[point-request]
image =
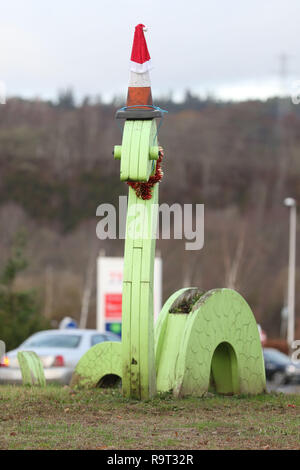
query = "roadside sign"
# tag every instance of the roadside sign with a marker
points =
(109, 292)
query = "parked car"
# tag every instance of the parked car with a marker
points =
(59, 350)
(280, 370)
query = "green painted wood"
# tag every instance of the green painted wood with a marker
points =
(161, 326)
(31, 368)
(128, 294)
(135, 324)
(100, 361)
(141, 217)
(219, 336)
(141, 306)
(166, 376)
(125, 153)
(130, 235)
(117, 152)
(144, 163)
(154, 153)
(146, 332)
(149, 241)
(137, 304)
(135, 154)
(126, 339)
(215, 346)
(224, 370)
(139, 148)
(146, 335)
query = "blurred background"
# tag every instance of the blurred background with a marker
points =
(227, 73)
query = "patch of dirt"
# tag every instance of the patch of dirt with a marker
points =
(186, 301)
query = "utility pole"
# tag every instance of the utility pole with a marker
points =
(283, 85)
(283, 72)
(282, 136)
(49, 291)
(291, 204)
(87, 291)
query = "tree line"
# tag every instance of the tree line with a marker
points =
(239, 159)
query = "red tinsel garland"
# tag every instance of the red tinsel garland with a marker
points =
(144, 190)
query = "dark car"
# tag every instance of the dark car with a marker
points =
(280, 370)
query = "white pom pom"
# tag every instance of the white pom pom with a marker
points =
(145, 29)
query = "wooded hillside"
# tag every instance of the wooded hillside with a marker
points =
(239, 159)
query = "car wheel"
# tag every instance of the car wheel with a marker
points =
(278, 378)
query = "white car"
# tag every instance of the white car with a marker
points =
(59, 350)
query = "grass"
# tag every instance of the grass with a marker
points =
(61, 418)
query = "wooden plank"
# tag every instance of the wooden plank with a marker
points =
(135, 324)
(144, 162)
(148, 242)
(126, 298)
(129, 241)
(141, 221)
(135, 150)
(147, 368)
(126, 146)
(153, 134)
(126, 338)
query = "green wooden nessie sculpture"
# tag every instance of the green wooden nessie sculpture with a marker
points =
(213, 344)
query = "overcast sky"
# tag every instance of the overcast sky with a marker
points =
(229, 48)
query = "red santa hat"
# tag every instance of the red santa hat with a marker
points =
(140, 61)
(139, 90)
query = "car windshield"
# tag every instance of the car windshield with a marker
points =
(97, 339)
(54, 341)
(273, 355)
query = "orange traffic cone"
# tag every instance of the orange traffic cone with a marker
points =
(139, 97)
(139, 90)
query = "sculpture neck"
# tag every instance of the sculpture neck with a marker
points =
(137, 302)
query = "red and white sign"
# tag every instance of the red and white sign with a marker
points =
(113, 306)
(109, 290)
